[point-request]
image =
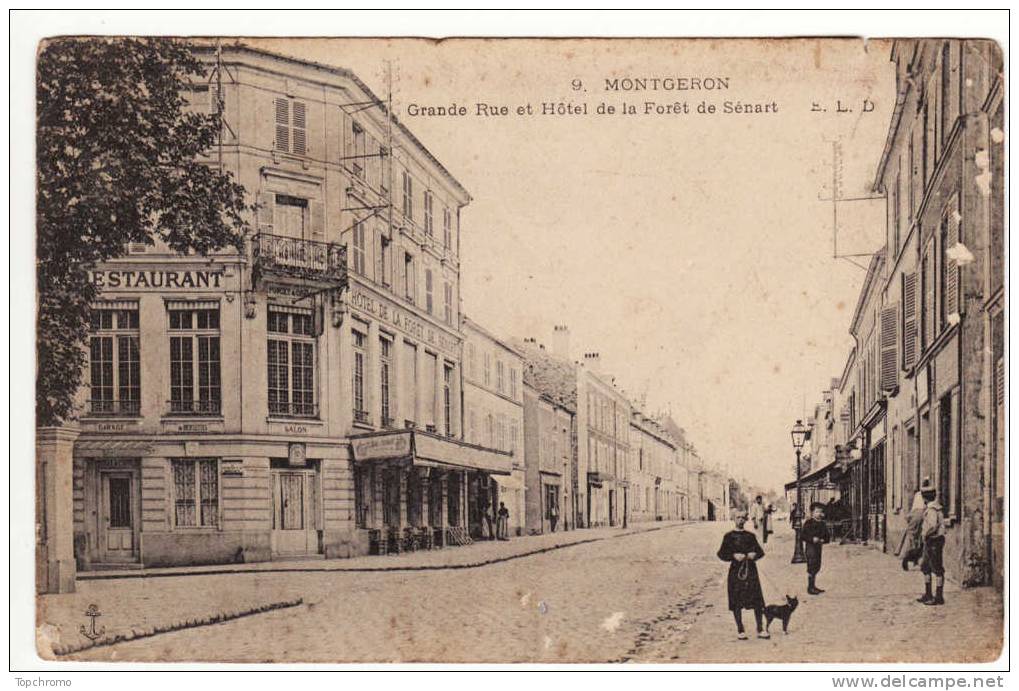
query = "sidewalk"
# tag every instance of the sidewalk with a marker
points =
(474, 555)
(868, 613)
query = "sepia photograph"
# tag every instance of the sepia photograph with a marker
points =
(517, 351)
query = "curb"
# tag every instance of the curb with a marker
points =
(135, 634)
(373, 569)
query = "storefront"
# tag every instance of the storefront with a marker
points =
(418, 490)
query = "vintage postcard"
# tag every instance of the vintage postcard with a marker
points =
(371, 350)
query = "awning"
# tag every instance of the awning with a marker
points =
(818, 478)
(427, 449)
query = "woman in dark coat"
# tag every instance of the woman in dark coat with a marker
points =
(742, 550)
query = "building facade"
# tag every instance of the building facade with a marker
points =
(302, 397)
(603, 440)
(493, 410)
(922, 395)
(657, 475)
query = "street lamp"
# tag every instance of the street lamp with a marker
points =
(799, 435)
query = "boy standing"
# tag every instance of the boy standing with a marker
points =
(933, 532)
(814, 534)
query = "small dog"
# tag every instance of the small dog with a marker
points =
(783, 612)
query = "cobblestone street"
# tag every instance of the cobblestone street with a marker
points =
(646, 597)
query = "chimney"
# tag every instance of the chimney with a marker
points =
(561, 341)
(592, 361)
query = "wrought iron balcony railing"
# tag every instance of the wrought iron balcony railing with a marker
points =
(114, 408)
(300, 258)
(362, 417)
(201, 407)
(293, 409)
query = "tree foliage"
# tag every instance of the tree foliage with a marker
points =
(116, 164)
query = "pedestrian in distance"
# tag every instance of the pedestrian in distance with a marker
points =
(814, 534)
(502, 522)
(742, 550)
(553, 516)
(933, 532)
(758, 517)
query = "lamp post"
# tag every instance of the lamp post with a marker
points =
(799, 435)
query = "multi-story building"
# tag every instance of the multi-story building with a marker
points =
(657, 476)
(603, 440)
(941, 172)
(921, 396)
(301, 397)
(550, 438)
(493, 410)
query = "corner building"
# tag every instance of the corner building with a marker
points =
(301, 398)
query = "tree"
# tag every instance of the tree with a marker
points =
(116, 164)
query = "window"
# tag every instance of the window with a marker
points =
(447, 399)
(382, 259)
(195, 492)
(410, 359)
(409, 277)
(194, 360)
(500, 376)
(358, 255)
(291, 362)
(408, 196)
(115, 384)
(927, 295)
(447, 229)
(513, 437)
(429, 230)
(291, 126)
(946, 89)
(489, 430)
(513, 382)
(488, 369)
(430, 392)
(447, 303)
(893, 200)
(429, 299)
(948, 268)
(290, 218)
(358, 364)
(472, 361)
(357, 163)
(385, 379)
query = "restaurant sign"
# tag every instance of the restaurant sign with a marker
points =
(156, 279)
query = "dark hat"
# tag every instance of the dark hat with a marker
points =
(817, 505)
(927, 485)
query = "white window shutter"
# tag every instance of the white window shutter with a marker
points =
(266, 205)
(318, 229)
(299, 129)
(889, 340)
(909, 315)
(282, 124)
(951, 296)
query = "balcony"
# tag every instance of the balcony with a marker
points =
(362, 417)
(197, 408)
(308, 259)
(293, 409)
(111, 408)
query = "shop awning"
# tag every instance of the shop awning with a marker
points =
(427, 449)
(822, 477)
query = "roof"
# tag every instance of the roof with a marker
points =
(468, 322)
(346, 74)
(550, 376)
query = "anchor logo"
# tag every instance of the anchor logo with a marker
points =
(90, 632)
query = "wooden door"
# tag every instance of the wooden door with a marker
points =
(294, 526)
(118, 530)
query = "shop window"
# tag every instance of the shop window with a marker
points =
(114, 361)
(195, 492)
(291, 362)
(195, 386)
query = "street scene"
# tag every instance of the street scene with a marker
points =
(357, 351)
(643, 596)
